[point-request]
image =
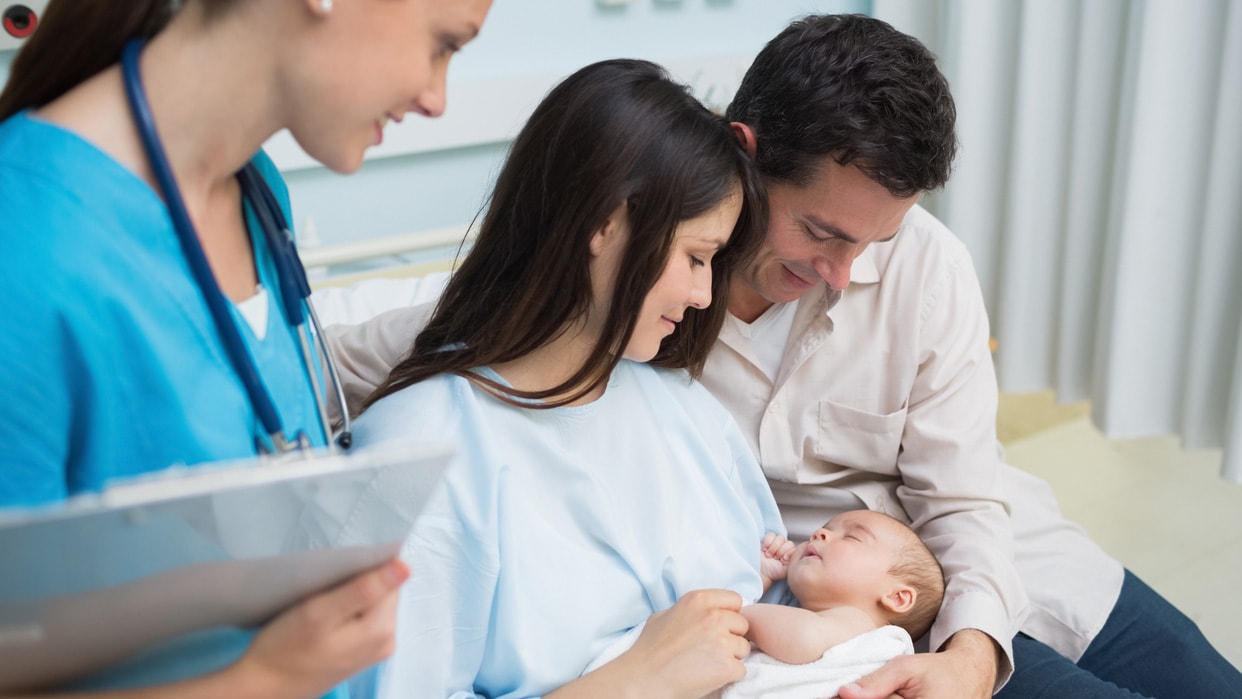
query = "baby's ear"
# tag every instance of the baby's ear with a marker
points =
(900, 599)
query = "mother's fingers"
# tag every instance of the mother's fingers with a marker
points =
(722, 599)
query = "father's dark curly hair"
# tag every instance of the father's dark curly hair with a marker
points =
(854, 88)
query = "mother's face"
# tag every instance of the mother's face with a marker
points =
(686, 281)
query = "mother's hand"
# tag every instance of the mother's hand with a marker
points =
(688, 650)
(696, 646)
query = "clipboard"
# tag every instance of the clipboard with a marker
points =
(92, 581)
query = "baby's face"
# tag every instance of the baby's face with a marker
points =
(847, 560)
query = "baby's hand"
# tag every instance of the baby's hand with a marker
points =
(774, 563)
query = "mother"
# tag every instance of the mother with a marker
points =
(593, 491)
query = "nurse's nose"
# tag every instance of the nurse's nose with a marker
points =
(432, 100)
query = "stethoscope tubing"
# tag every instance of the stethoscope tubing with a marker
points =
(294, 287)
(295, 293)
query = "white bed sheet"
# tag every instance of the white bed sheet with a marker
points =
(368, 298)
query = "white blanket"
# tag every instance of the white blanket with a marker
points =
(840, 665)
(767, 677)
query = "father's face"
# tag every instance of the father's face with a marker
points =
(816, 231)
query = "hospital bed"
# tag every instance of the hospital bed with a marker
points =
(353, 282)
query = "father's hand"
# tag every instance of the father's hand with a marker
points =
(965, 669)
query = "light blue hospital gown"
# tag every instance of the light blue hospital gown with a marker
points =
(557, 530)
(110, 365)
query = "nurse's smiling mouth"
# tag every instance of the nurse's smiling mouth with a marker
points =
(381, 123)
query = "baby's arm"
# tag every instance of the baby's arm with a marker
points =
(794, 635)
(775, 551)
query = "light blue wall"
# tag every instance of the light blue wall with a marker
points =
(439, 189)
(435, 190)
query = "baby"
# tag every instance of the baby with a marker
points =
(866, 586)
(860, 571)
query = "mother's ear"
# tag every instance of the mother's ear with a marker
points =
(609, 235)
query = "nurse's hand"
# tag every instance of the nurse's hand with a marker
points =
(311, 648)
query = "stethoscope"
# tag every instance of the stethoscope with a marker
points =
(294, 289)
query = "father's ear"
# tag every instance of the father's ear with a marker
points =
(900, 599)
(745, 136)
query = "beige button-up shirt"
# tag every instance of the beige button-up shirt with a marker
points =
(886, 398)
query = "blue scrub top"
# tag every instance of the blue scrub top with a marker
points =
(110, 364)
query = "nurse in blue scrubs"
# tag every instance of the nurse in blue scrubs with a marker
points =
(111, 364)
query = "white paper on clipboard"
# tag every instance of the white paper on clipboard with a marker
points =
(88, 583)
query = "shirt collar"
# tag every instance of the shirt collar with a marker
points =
(864, 271)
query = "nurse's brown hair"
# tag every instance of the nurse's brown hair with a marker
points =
(76, 39)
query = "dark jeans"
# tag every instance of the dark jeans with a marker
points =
(1147, 648)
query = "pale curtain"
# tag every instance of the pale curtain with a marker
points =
(1099, 188)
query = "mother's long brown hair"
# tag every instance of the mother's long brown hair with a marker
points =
(615, 132)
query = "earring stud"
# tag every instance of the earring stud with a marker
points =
(325, 5)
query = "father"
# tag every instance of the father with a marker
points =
(862, 378)
(862, 375)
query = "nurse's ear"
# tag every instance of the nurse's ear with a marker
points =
(608, 238)
(320, 8)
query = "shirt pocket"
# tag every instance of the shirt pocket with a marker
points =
(859, 439)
